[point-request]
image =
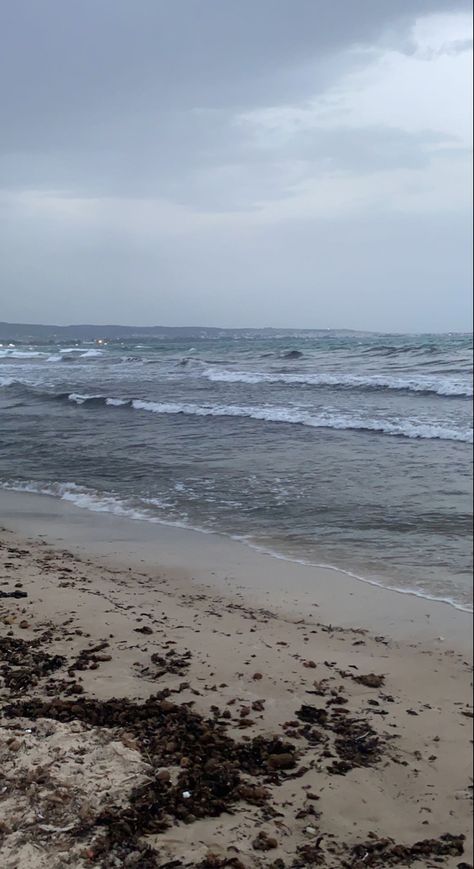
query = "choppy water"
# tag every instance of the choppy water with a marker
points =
(343, 449)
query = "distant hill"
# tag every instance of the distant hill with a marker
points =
(86, 331)
(26, 332)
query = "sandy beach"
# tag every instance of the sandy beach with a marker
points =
(151, 718)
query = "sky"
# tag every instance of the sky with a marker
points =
(287, 163)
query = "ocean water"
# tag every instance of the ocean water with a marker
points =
(351, 450)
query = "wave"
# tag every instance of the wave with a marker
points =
(325, 419)
(78, 398)
(81, 352)
(26, 386)
(81, 496)
(7, 381)
(428, 348)
(437, 386)
(9, 353)
(91, 354)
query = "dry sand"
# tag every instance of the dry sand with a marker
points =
(244, 735)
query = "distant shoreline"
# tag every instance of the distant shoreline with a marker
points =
(92, 331)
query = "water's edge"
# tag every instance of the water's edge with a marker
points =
(117, 510)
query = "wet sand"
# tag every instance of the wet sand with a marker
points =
(269, 714)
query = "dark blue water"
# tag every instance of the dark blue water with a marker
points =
(349, 450)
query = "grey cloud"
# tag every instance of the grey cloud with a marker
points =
(109, 95)
(194, 149)
(206, 161)
(108, 70)
(111, 99)
(450, 49)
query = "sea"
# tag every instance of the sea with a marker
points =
(344, 449)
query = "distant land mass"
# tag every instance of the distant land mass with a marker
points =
(88, 332)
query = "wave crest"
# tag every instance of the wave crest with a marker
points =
(325, 419)
(437, 386)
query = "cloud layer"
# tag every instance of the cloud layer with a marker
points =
(274, 163)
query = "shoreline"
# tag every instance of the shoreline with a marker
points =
(209, 558)
(129, 514)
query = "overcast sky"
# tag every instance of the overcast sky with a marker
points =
(236, 163)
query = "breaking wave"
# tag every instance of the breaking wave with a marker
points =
(325, 419)
(437, 386)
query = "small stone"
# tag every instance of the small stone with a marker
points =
(164, 775)
(133, 859)
(264, 842)
(281, 761)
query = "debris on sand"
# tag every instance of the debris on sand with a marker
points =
(264, 842)
(385, 852)
(171, 662)
(370, 680)
(355, 741)
(15, 594)
(23, 663)
(211, 764)
(89, 658)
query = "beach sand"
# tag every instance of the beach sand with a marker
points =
(268, 714)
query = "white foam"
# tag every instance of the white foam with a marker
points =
(18, 381)
(81, 496)
(325, 419)
(77, 398)
(439, 386)
(56, 357)
(117, 402)
(90, 354)
(20, 354)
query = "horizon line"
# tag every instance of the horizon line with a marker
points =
(236, 328)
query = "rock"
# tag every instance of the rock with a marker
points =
(264, 842)
(312, 715)
(281, 761)
(371, 680)
(133, 859)
(164, 775)
(15, 594)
